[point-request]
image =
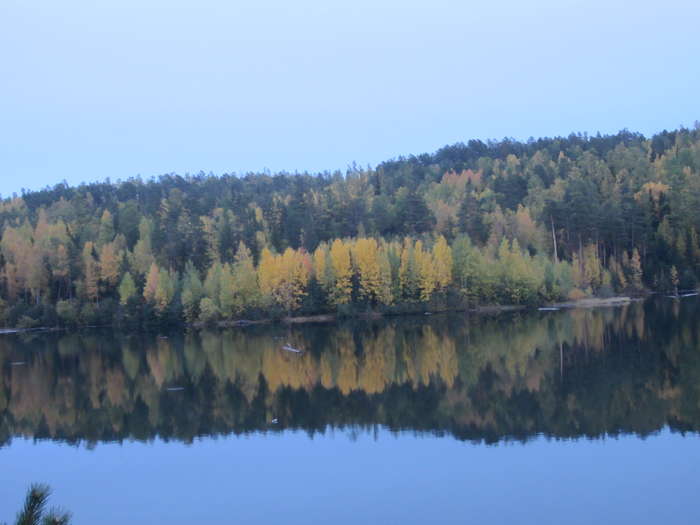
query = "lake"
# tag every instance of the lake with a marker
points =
(570, 416)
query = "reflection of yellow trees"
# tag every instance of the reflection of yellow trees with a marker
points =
(245, 358)
(378, 363)
(156, 366)
(427, 356)
(30, 391)
(285, 369)
(326, 369)
(590, 328)
(85, 379)
(95, 374)
(443, 363)
(116, 391)
(346, 380)
(448, 363)
(131, 360)
(164, 362)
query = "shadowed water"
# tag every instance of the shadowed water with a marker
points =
(400, 413)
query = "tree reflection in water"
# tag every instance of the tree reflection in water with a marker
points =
(566, 374)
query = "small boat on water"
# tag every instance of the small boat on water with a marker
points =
(548, 309)
(290, 348)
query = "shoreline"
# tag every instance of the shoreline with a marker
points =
(589, 302)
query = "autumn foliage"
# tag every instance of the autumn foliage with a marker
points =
(482, 223)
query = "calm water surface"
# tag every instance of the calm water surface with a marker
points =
(576, 416)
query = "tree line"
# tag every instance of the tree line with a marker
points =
(480, 223)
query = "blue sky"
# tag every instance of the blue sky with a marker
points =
(90, 90)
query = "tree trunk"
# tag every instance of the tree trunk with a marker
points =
(554, 239)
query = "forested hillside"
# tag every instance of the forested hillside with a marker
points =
(476, 223)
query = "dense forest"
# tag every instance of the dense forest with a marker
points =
(503, 222)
